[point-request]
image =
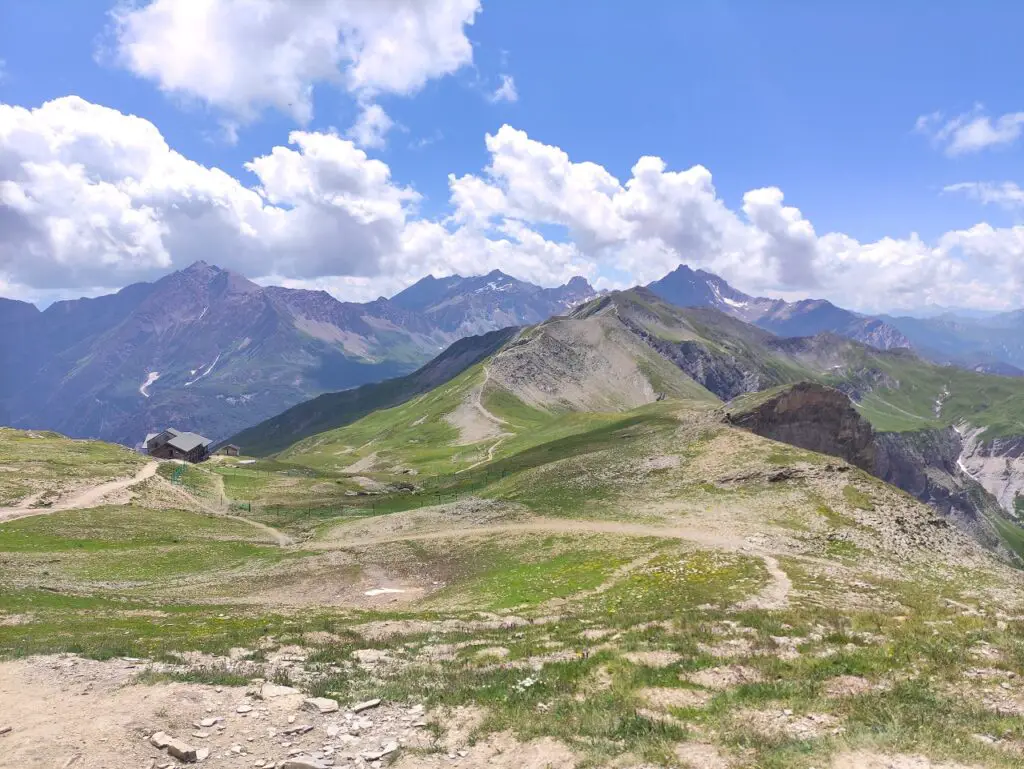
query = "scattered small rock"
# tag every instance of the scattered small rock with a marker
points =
(244, 709)
(182, 751)
(269, 691)
(303, 762)
(376, 755)
(359, 707)
(5, 729)
(322, 704)
(160, 740)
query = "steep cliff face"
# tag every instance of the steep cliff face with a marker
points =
(998, 464)
(812, 417)
(927, 464)
(729, 368)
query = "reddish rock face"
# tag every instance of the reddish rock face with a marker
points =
(814, 417)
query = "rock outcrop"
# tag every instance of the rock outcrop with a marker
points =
(927, 464)
(814, 417)
(996, 464)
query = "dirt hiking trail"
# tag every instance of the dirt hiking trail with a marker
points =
(93, 496)
(84, 498)
(774, 595)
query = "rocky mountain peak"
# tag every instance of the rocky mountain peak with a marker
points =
(579, 283)
(686, 287)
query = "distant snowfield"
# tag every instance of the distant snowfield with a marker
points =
(207, 371)
(151, 377)
(718, 295)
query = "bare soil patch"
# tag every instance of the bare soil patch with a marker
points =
(847, 686)
(722, 678)
(735, 647)
(775, 723)
(472, 422)
(864, 759)
(701, 755)
(666, 697)
(65, 711)
(653, 659)
(362, 465)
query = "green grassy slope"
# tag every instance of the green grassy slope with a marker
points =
(127, 549)
(611, 641)
(681, 353)
(982, 400)
(337, 409)
(46, 464)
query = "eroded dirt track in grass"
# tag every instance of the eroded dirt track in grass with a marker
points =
(221, 511)
(775, 594)
(84, 498)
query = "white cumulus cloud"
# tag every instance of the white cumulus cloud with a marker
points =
(1006, 194)
(371, 128)
(93, 198)
(971, 131)
(245, 55)
(659, 217)
(90, 196)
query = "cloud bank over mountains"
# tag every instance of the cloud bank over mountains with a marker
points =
(92, 198)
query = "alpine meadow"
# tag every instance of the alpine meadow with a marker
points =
(333, 436)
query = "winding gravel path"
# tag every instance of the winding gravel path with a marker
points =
(84, 498)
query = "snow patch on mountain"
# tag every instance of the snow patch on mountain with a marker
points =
(151, 377)
(207, 371)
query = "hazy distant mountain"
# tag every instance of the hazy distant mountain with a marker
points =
(994, 344)
(685, 287)
(207, 350)
(474, 305)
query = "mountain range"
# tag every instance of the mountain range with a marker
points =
(685, 287)
(210, 351)
(950, 437)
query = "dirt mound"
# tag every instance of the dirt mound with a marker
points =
(725, 677)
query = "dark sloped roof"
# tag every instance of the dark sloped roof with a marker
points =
(187, 441)
(164, 435)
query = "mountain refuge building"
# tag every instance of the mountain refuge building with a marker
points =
(173, 444)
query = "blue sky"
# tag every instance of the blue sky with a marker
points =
(820, 102)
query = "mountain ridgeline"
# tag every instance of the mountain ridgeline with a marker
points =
(333, 410)
(686, 287)
(913, 423)
(213, 352)
(210, 351)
